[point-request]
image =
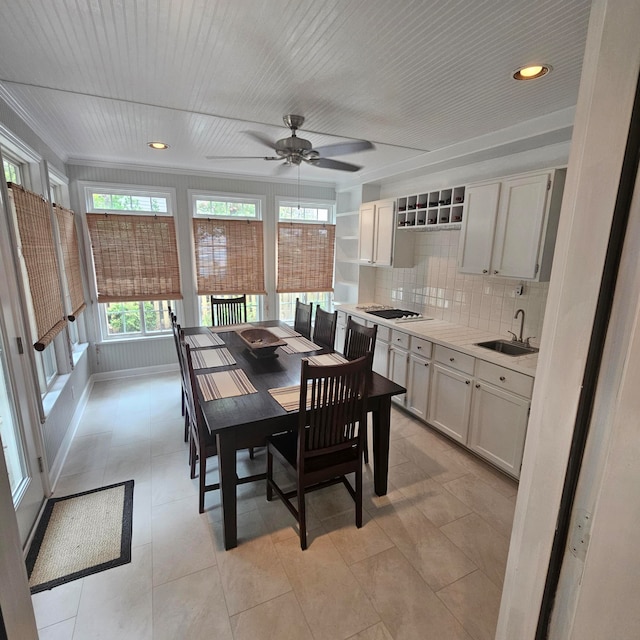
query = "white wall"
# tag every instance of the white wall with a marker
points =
(607, 91)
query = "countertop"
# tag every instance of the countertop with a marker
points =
(455, 336)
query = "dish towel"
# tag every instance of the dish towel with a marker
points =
(327, 359)
(224, 384)
(299, 345)
(283, 332)
(231, 327)
(203, 340)
(209, 358)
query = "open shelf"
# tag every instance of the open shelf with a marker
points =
(432, 208)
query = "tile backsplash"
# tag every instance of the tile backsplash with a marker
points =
(436, 289)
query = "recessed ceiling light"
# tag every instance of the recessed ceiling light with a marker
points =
(158, 145)
(532, 72)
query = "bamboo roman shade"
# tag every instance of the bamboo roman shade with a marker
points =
(229, 256)
(71, 258)
(38, 251)
(305, 257)
(135, 257)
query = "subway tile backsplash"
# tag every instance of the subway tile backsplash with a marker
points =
(436, 289)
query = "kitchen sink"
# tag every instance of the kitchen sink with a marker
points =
(508, 347)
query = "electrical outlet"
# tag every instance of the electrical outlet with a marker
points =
(519, 290)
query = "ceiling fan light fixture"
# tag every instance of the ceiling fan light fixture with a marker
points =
(158, 145)
(532, 72)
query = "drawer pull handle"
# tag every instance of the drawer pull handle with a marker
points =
(467, 381)
(502, 378)
(452, 359)
(477, 386)
(419, 347)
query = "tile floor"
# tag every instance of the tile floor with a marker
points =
(428, 563)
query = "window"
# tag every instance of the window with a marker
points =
(12, 172)
(306, 245)
(229, 251)
(135, 259)
(136, 319)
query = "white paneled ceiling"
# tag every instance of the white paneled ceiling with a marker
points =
(98, 79)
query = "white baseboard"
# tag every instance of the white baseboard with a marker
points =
(131, 373)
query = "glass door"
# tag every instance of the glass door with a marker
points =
(18, 447)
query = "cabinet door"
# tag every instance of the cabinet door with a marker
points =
(341, 334)
(498, 426)
(450, 402)
(418, 388)
(478, 228)
(398, 365)
(381, 358)
(367, 233)
(385, 223)
(519, 227)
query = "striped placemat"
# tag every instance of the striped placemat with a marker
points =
(327, 359)
(287, 397)
(283, 332)
(231, 327)
(204, 340)
(224, 384)
(299, 345)
(209, 358)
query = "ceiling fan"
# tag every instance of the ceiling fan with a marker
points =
(294, 150)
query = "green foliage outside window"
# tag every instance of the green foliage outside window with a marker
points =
(230, 209)
(129, 202)
(141, 318)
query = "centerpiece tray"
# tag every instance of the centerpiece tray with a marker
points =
(261, 343)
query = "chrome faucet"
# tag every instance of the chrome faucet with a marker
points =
(518, 312)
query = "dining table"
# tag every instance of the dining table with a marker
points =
(247, 420)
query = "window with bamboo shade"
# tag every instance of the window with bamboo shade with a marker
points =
(135, 257)
(305, 257)
(229, 256)
(37, 248)
(71, 258)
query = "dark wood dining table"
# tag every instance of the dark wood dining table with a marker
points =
(246, 421)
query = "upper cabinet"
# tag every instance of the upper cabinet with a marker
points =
(510, 226)
(378, 244)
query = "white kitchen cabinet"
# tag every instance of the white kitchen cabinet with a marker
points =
(418, 385)
(510, 226)
(498, 426)
(381, 351)
(378, 245)
(499, 415)
(450, 402)
(399, 362)
(341, 331)
(476, 238)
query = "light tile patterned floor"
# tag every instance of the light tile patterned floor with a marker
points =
(428, 563)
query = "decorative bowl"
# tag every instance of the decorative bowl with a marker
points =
(260, 342)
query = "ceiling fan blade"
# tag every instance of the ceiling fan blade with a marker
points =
(327, 163)
(262, 139)
(342, 148)
(243, 157)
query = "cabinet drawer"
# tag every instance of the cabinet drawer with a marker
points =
(513, 381)
(454, 359)
(421, 347)
(400, 339)
(384, 333)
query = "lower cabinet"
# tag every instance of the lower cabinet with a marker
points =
(381, 351)
(418, 385)
(398, 367)
(498, 426)
(341, 331)
(450, 402)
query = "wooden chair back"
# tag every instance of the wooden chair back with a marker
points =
(324, 330)
(359, 339)
(302, 320)
(226, 311)
(335, 397)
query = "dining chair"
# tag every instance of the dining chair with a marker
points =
(328, 442)
(358, 341)
(324, 330)
(175, 329)
(302, 320)
(202, 445)
(225, 311)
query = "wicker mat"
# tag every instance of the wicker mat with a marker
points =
(81, 534)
